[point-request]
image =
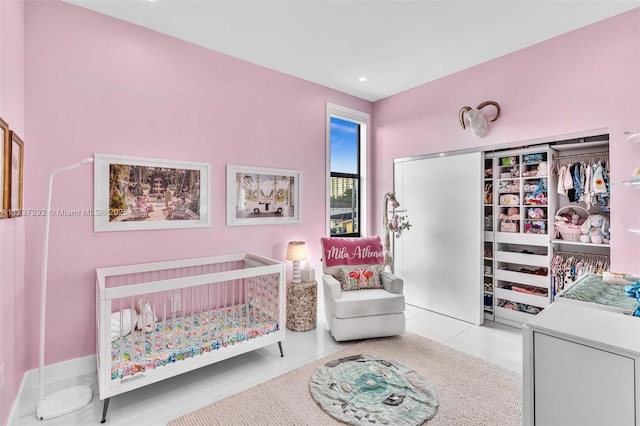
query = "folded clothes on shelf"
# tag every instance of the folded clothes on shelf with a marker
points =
(520, 307)
(524, 289)
(539, 271)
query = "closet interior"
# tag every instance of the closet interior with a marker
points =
(484, 238)
(529, 195)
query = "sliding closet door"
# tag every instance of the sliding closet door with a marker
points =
(440, 257)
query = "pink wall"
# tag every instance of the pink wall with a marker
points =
(97, 84)
(586, 79)
(12, 231)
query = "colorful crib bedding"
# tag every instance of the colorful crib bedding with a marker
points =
(184, 337)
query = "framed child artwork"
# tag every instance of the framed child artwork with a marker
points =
(16, 173)
(4, 171)
(135, 193)
(259, 196)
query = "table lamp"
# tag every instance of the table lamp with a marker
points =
(296, 251)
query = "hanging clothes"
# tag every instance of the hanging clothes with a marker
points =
(586, 183)
(588, 197)
(601, 186)
(574, 191)
(568, 179)
(566, 268)
(561, 176)
(578, 181)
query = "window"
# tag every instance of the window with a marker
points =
(346, 148)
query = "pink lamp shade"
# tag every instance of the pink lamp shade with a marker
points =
(296, 251)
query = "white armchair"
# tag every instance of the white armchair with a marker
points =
(366, 312)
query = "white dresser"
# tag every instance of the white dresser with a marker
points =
(581, 367)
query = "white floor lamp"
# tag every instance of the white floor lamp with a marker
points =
(72, 399)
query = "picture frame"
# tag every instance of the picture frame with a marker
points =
(139, 193)
(261, 195)
(16, 175)
(5, 152)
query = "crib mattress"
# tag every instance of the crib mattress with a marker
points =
(184, 337)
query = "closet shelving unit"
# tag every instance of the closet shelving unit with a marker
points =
(521, 259)
(521, 251)
(488, 239)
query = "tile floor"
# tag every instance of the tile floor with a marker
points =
(161, 402)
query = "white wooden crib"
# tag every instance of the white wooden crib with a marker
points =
(199, 311)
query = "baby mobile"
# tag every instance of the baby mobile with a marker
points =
(395, 225)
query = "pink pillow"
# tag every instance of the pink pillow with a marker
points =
(352, 251)
(359, 277)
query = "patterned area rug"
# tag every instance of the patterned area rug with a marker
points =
(368, 390)
(471, 391)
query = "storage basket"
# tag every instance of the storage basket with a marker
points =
(569, 231)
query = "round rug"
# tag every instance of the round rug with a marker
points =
(365, 389)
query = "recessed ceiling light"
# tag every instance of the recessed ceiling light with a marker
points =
(362, 79)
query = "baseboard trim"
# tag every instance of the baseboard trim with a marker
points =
(14, 414)
(65, 370)
(53, 373)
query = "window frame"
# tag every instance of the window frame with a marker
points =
(362, 119)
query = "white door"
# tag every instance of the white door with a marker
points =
(440, 257)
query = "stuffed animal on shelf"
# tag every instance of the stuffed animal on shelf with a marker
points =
(575, 218)
(512, 213)
(542, 187)
(597, 228)
(146, 317)
(543, 169)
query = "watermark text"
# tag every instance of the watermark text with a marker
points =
(62, 212)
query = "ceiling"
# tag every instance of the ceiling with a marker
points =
(396, 44)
